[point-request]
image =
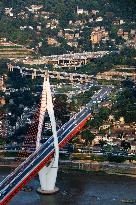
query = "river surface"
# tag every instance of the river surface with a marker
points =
(78, 188)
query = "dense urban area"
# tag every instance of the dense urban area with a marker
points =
(84, 47)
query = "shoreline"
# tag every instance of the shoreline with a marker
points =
(96, 172)
(122, 169)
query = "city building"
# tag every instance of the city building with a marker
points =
(98, 34)
(73, 44)
(8, 12)
(2, 101)
(2, 87)
(123, 34)
(81, 11)
(52, 41)
(94, 12)
(34, 8)
(52, 24)
(99, 19)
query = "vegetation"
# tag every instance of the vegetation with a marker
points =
(82, 99)
(99, 118)
(117, 159)
(3, 66)
(87, 136)
(126, 103)
(61, 109)
(64, 11)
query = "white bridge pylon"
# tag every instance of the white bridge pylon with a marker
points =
(48, 175)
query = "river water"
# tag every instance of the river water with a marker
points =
(78, 188)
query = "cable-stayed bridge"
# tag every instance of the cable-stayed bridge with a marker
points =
(15, 181)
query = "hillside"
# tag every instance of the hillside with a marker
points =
(47, 29)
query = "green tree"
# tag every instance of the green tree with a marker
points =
(87, 136)
(102, 143)
(3, 66)
(61, 108)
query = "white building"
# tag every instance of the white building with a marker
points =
(99, 19)
(81, 11)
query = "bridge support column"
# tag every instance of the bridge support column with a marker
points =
(34, 74)
(21, 71)
(10, 67)
(58, 76)
(81, 80)
(85, 61)
(71, 78)
(48, 175)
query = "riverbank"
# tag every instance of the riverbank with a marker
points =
(10, 162)
(128, 169)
